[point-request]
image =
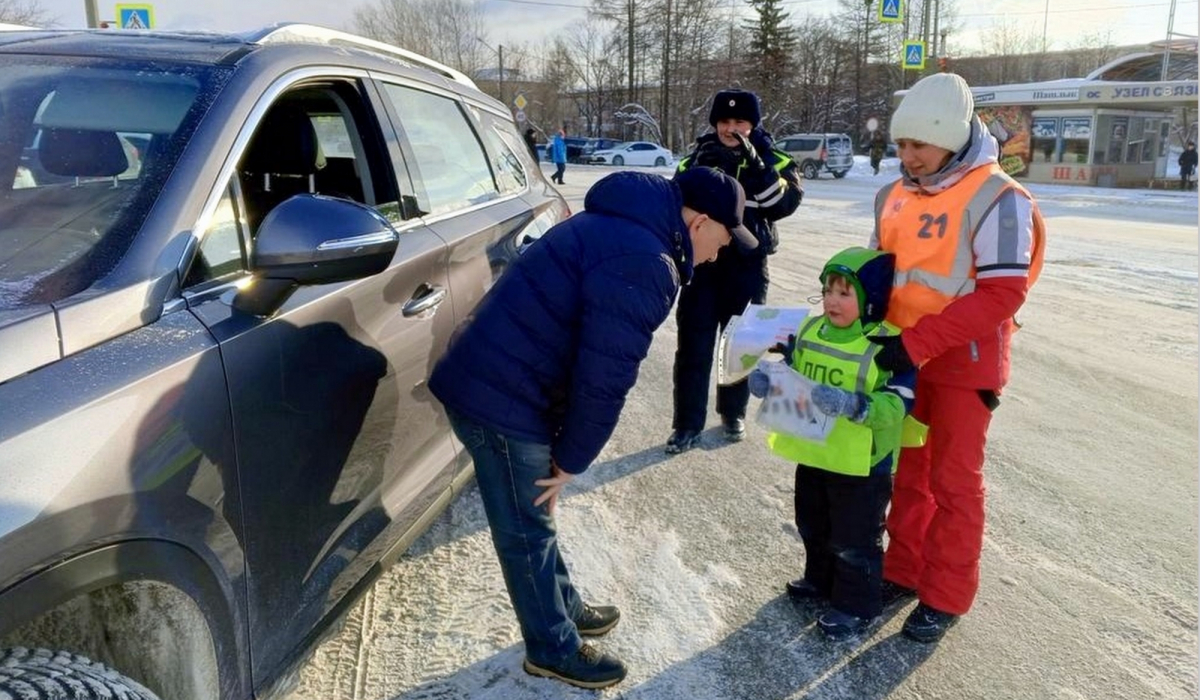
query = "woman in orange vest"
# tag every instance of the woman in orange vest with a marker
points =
(968, 242)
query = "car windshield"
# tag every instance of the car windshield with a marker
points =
(85, 147)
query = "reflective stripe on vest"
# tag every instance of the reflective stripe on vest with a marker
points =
(850, 448)
(770, 196)
(861, 358)
(926, 283)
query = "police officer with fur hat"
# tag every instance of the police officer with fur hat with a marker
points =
(740, 147)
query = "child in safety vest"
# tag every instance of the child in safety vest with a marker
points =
(843, 485)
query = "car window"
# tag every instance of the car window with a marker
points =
(316, 139)
(451, 167)
(839, 144)
(503, 142)
(222, 249)
(89, 146)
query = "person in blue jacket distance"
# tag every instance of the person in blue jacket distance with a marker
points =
(535, 380)
(558, 154)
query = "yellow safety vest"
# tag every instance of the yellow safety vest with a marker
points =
(850, 448)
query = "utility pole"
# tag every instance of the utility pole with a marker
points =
(925, 23)
(666, 80)
(864, 60)
(1167, 47)
(93, 14)
(1045, 21)
(937, 12)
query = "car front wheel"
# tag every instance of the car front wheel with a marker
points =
(659, 162)
(618, 160)
(810, 170)
(41, 674)
(840, 174)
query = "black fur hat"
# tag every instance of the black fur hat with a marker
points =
(735, 104)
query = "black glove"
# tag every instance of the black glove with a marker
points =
(714, 154)
(749, 154)
(892, 357)
(786, 349)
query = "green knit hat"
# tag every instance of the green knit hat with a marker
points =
(871, 272)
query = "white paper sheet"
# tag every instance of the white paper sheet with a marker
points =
(788, 406)
(747, 337)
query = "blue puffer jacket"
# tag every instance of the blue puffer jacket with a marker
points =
(553, 348)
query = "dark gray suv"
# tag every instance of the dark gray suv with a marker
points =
(227, 265)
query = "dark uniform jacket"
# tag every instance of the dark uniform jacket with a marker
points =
(770, 195)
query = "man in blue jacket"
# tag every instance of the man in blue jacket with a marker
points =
(535, 380)
(558, 154)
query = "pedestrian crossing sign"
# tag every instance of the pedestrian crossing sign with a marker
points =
(914, 55)
(891, 11)
(135, 16)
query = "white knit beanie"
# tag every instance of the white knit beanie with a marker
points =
(936, 110)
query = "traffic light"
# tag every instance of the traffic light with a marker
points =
(943, 64)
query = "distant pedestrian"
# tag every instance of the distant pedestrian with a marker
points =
(1187, 166)
(534, 381)
(843, 483)
(558, 154)
(531, 142)
(878, 148)
(968, 241)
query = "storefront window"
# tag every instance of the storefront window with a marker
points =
(1117, 131)
(1076, 135)
(1045, 140)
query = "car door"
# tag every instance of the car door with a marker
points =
(470, 187)
(639, 154)
(340, 446)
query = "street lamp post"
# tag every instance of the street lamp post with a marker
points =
(93, 14)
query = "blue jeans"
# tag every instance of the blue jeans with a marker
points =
(525, 537)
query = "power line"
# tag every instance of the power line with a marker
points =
(1088, 10)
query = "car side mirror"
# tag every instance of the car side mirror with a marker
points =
(312, 239)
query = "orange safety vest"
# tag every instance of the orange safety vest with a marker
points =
(929, 277)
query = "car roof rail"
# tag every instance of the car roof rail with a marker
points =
(298, 32)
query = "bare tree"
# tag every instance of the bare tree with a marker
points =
(1005, 42)
(699, 65)
(589, 46)
(449, 31)
(27, 12)
(821, 74)
(634, 36)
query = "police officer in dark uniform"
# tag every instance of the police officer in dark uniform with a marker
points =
(741, 148)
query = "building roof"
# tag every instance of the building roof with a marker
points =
(1148, 66)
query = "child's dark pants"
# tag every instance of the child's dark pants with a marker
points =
(841, 519)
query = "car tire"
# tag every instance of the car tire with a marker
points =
(660, 162)
(618, 160)
(839, 174)
(810, 170)
(37, 674)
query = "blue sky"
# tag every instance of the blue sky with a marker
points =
(1130, 21)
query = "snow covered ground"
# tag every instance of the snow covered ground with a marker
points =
(1089, 572)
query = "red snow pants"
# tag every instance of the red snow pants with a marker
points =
(935, 526)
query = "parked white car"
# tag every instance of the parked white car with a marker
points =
(633, 153)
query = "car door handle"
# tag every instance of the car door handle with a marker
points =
(425, 298)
